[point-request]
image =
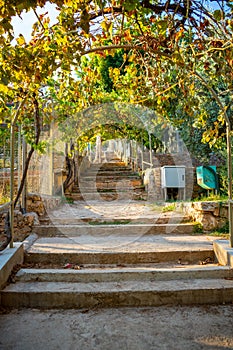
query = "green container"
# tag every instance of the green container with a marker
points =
(207, 177)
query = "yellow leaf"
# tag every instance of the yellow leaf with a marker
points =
(132, 57)
(127, 35)
(4, 88)
(20, 40)
(179, 34)
(68, 2)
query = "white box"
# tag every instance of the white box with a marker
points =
(173, 176)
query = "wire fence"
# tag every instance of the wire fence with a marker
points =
(45, 173)
(5, 162)
(44, 168)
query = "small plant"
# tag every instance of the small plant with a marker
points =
(140, 199)
(117, 222)
(197, 227)
(4, 199)
(170, 207)
(68, 200)
(156, 206)
(222, 232)
(5, 193)
(211, 198)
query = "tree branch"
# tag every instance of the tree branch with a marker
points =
(30, 153)
(127, 47)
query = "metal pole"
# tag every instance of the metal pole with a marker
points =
(12, 161)
(142, 156)
(19, 155)
(51, 175)
(24, 192)
(130, 152)
(151, 165)
(229, 166)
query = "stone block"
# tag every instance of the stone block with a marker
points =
(31, 219)
(34, 197)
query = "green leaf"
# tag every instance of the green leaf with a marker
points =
(162, 27)
(218, 15)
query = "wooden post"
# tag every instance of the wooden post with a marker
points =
(12, 163)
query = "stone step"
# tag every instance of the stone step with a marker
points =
(144, 272)
(156, 219)
(66, 295)
(86, 250)
(118, 171)
(110, 166)
(109, 178)
(94, 274)
(119, 230)
(111, 185)
(134, 194)
(106, 188)
(109, 172)
(109, 181)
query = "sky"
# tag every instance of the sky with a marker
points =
(24, 24)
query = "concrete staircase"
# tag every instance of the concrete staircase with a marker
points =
(109, 181)
(66, 278)
(111, 253)
(110, 265)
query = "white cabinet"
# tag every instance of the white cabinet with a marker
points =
(173, 177)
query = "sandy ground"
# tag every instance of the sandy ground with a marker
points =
(173, 328)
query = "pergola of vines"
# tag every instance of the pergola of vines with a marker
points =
(169, 48)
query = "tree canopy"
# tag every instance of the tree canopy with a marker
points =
(172, 56)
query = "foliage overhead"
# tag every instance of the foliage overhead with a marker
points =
(168, 55)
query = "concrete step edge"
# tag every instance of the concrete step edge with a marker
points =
(109, 177)
(79, 257)
(112, 225)
(102, 230)
(94, 189)
(97, 274)
(92, 221)
(115, 294)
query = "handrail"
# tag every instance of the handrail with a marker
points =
(133, 158)
(151, 164)
(5, 206)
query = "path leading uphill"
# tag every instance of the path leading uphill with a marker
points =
(109, 272)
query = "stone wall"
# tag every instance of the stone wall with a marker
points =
(35, 204)
(23, 224)
(39, 204)
(152, 181)
(192, 189)
(36, 210)
(211, 215)
(162, 159)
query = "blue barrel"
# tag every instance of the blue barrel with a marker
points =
(207, 177)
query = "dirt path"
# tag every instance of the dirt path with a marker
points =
(96, 209)
(173, 328)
